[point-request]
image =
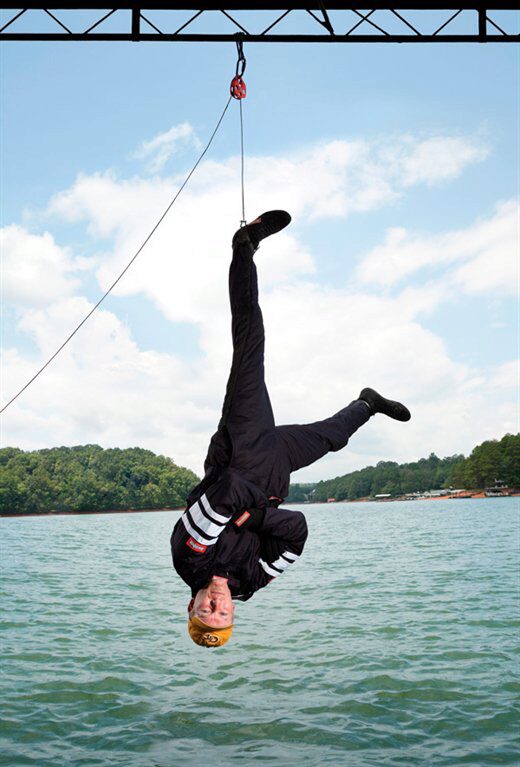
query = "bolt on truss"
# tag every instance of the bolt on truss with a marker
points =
(311, 22)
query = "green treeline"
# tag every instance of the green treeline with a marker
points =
(491, 461)
(89, 478)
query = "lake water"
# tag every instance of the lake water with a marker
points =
(393, 641)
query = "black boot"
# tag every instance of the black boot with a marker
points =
(379, 404)
(268, 223)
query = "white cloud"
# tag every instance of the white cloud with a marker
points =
(35, 270)
(324, 343)
(440, 159)
(323, 346)
(161, 147)
(505, 376)
(481, 258)
(108, 204)
(327, 181)
(334, 179)
(102, 388)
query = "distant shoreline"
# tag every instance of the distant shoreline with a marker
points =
(467, 496)
(476, 496)
(83, 513)
(464, 496)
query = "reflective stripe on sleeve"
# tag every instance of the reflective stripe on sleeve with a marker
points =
(195, 534)
(281, 563)
(218, 518)
(203, 523)
(269, 570)
(277, 567)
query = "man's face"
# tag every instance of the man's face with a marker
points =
(213, 604)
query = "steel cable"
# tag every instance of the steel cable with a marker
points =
(129, 264)
(243, 221)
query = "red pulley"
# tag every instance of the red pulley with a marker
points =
(238, 88)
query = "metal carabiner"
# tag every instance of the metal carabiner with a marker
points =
(241, 62)
(238, 86)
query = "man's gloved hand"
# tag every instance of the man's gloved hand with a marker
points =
(250, 519)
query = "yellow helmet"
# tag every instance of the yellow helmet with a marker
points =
(208, 636)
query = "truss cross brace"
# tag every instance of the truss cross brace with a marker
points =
(274, 22)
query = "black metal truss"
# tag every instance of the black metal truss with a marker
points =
(334, 22)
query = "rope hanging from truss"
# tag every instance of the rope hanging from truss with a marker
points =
(239, 91)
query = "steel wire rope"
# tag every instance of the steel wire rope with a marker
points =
(129, 264)
(243, 221)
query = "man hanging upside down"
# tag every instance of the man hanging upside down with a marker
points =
(233, 539)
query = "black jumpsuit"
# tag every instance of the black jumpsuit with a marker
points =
(232, 526)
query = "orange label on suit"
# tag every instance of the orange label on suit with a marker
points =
(198, 547)
(242, 518)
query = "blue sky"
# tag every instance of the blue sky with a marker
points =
(357, 142)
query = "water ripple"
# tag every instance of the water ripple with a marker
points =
(397, 648)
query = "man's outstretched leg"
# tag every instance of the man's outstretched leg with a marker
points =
(247, 411)
(307, 443)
